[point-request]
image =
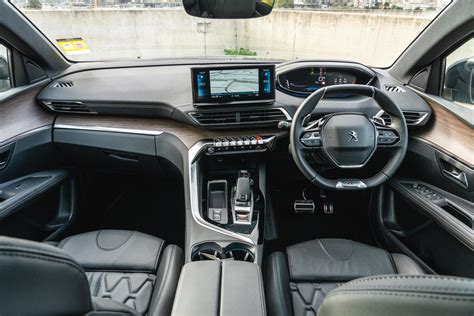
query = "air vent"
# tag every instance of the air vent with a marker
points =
(390, 88)
(68, 106)
(63, 84)
(414, 118)
(265, 116)
(411, 117)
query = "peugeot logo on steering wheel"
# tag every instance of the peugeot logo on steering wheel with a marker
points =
(353, 136)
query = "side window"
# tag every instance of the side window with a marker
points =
(5, 78)
(458, 83)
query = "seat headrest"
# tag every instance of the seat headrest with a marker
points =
(228, 9)
(40, 279)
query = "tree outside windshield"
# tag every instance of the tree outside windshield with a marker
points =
(367, 31)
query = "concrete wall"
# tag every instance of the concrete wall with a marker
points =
(374, 39)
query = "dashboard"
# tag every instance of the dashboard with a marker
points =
(221, 94)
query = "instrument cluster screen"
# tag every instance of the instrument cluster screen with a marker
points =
(233, 84)
(308, 80)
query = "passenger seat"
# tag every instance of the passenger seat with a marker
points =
(103, 271)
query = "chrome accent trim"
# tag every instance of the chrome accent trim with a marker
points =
(193, 154)
(341, 184)
(108, 129)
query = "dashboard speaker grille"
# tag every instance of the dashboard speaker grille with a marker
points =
(243, 117)
(63, 84)
(391, 88)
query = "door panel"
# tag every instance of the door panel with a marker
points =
(37, 195)
(427, 211)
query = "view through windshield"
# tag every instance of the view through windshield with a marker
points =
(367, 31)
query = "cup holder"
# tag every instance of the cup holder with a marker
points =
(212, 251)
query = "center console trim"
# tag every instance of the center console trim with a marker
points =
(193, 154)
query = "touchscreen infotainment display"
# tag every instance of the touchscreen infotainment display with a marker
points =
(213, 85)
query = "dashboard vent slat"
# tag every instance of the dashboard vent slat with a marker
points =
(412, 118)
(242, 117)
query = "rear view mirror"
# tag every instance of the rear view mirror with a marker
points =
(228, 9)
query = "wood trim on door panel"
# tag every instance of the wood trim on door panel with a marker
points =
(448, 133)
(22, 114)
(187, 133)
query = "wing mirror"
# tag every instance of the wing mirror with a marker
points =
(228, 9)
(459, 82)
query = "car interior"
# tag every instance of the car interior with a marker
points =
(227, 186)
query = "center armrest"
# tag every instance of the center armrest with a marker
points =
(220, 288)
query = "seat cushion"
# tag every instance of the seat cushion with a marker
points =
(337, 260)
(298, 282)
(128, 267)
(115, 250)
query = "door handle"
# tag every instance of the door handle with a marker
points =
(4, 158)
(453, 173)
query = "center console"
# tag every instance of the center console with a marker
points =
(220, 288)
(227, 192)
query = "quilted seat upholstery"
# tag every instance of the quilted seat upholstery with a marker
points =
(128, 267)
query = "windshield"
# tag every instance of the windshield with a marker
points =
(366, 31)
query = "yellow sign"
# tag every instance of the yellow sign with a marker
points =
(73, 46)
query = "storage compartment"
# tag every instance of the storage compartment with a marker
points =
(461, 215)
(217, 201)
(220, 288)
(122, 153)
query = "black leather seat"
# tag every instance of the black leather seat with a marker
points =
(104, 271)
(297, 282)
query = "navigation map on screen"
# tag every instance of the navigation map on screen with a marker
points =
(234, 82)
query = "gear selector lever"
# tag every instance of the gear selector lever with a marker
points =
(242, 199)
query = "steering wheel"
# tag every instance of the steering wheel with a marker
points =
(348, 139)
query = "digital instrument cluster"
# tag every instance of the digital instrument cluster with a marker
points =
(306, 80)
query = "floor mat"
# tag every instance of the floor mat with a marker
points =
(349, 221)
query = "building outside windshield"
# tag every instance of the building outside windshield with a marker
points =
(366, 31)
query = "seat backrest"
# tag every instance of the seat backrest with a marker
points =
(40, 279)
(395, 295)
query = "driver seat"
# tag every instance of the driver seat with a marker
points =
(297, 282)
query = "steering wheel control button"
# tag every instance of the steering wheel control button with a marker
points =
(348, 140)
(311, 139)
(387, 137)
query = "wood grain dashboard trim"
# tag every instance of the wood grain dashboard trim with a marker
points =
(21, 115)
(188, 134)
(448, 133)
